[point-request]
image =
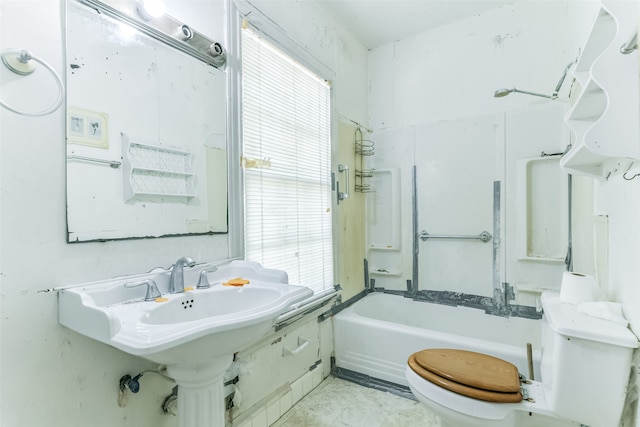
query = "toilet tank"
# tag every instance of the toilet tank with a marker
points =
(585, 364)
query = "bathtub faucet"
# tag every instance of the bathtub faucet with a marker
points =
(176, 280)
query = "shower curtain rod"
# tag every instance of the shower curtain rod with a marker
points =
(355, 123)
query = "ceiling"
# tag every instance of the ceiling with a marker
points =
(377, 22)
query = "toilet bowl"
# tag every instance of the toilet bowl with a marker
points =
(456, 410)
(468, 373)
(585, 366)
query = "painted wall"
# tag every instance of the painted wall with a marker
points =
(50, 375)
(620, 201)
(429, 95)
(351, 217)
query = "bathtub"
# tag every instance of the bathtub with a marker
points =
(376, 335)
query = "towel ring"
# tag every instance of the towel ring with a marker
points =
(20, 62)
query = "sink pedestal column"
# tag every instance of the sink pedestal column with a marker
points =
(201, 392)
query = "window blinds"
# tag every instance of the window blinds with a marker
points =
(286, 160)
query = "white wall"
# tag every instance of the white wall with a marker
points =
(447, 77)
(620, 201)
(618, 247)
(50, 375)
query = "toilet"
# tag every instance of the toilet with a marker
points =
(585, 367)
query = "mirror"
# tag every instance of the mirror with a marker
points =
(146, 134)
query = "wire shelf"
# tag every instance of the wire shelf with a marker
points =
(364, 148)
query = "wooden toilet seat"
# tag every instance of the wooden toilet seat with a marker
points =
(471, 374)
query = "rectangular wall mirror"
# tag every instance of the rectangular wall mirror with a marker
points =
(146, 134)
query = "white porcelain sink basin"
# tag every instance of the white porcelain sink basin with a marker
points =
(186, 328)
(222, 303)
(195, 333)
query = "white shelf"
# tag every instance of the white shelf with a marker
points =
(600, 38)
(161, 171)
(591, 104)
(152, 172)
(604, 119)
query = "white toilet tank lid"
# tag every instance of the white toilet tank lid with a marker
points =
(565, 319)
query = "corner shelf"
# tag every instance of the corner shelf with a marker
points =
(156, 173)
(604, 118)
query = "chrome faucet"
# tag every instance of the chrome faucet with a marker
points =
(176, 281)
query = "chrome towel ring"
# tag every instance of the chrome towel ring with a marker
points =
(21, 62)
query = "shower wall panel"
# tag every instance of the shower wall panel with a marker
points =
(456, 166)
(391, 267)
(424, 86)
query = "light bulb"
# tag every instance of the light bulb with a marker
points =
(151, 9)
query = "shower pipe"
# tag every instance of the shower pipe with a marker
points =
(630, 45)
(568, 259)
(504, 92)
(413, 287)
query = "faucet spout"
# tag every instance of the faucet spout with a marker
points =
(176, 280)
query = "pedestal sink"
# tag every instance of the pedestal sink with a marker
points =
(193, 333)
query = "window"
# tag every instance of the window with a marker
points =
(287, 165)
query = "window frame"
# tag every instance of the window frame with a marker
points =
(243, 13)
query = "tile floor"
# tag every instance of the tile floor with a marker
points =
(339, 403)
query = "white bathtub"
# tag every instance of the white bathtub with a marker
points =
(376, 335)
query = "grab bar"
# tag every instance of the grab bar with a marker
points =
(345, 170)
(111, 163)
(485, 236)
(630, 45)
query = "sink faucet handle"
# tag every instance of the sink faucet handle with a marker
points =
(152, 289)
(203, 282)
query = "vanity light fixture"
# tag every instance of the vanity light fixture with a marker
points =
(184, 33)
(151, 9)
(150, 18)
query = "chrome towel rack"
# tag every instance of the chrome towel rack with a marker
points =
(114, 164)
(22, 62)
(484, 237)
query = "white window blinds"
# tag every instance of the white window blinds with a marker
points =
(286, 160)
